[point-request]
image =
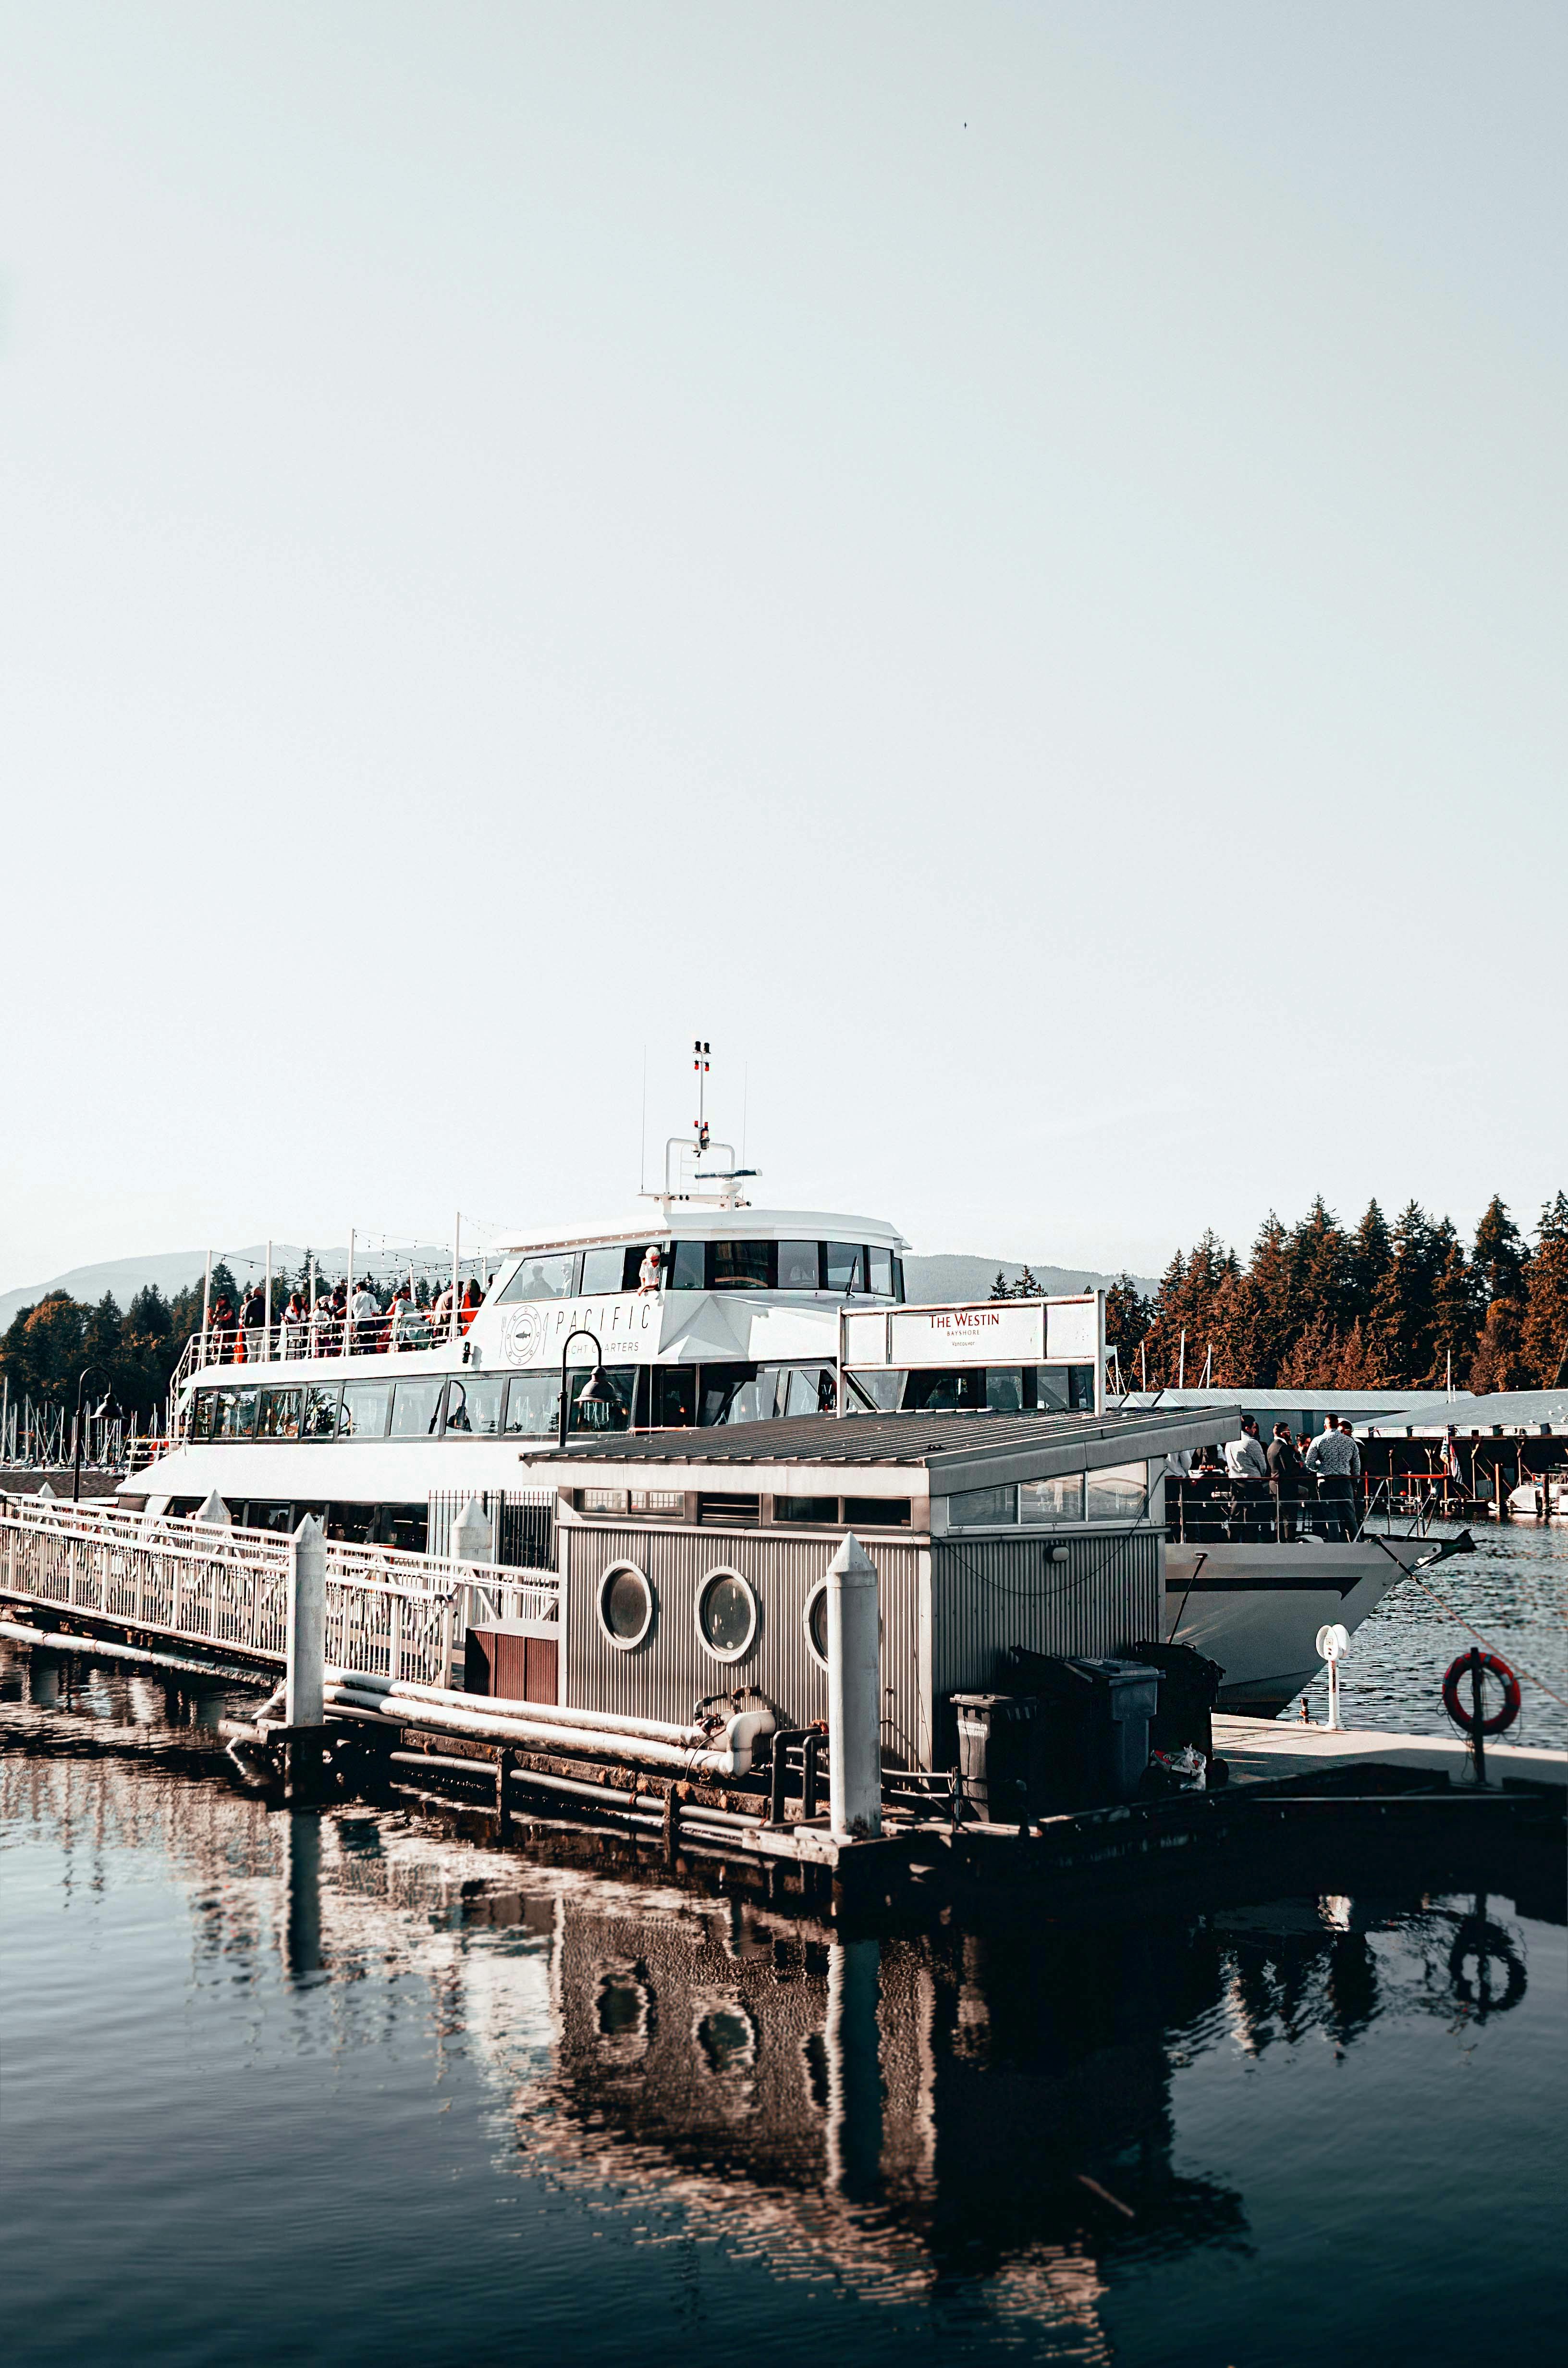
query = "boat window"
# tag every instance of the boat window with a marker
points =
(753, 1398)
(740, 1266)
(811, 1390)
(542, 1277)
(879, 1263)
(605, 1270)
(1042, 1504)
(800, 1266)
(876, 1512)
(533, 1405)
(882, 1387)
(622, 1380)
(1081, 1388)
(281, 1413)
(626, 1606)
(1050, 1394)
(721, 1389)
(1120, 1495)
(898, 1279)
(975, 1509)
(726, 1615)
(203, 1410)
(946, 1392)
(234, 1413)
(321, 1412)
(687, 1266)
(846, 1266)
(268, 1517)
(473, 1406)
(416, 1408)
(363, 1414)
(805, 1508)
(674, 1396)
(1005, 1390)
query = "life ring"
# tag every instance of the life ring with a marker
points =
(1489, 1945)
(1465, 1719)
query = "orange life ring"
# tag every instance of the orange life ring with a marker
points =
(1465, 1719)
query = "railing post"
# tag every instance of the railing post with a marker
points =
(394, 1638)
(306, 1670)
(449, 1622)
(854, 1685)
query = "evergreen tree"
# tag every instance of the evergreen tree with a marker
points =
(1498, 1362)
(1001, 1289)
(1402, 1311)
(1544, 1333)
(1370, 1255)
(1500, 1253)
(1455, 1309)
(1320, 1268)
(1272, 1328)
(1026, 1286)
(1128, 1315)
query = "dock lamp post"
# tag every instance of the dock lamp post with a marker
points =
(598, 1391)
(76, 1470)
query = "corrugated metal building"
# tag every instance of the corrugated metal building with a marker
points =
(694, 1562)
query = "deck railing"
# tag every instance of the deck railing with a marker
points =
(398, 1614)
(324, 1334)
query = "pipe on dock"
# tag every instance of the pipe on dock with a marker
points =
(404, 1709)
(54, 1641)
(657, 1730)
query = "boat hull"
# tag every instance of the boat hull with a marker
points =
(1257, 1610)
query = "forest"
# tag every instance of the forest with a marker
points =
(1378, 1306)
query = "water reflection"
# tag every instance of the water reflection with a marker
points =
(914, 2116)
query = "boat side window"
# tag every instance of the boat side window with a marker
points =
(234, 1413)
(533, 1404)
(898, 1279)
(740, 1266)
(674, 1396)
(552, 1277)
(687, 1267)
(811, 1389)
(946, 1392)
(320, 1419)
(281, 1411)
(752, 1397)
(363, 1414)
(881, 1386)
(204, 1409)
(846, 1266)
(1004, 1390)
(800, 1266)
(724, 1386)
(474, 1406)
(416, 1408)
(605, 1270)
(879, 1263)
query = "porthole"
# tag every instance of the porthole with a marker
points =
(814, 1620)
(626, 1606)
(726, 1614)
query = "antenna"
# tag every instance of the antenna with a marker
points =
(700, 1065)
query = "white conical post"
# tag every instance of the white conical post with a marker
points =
(471, 1534)
(306, 1681)
(213, 1510)
(854, 1694)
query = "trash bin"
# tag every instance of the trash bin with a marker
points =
(1189, 1687)
(1091, 1733)
(994, 1733)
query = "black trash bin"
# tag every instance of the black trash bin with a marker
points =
(1189, 1687)
(994, 1733)
(1092, 1733)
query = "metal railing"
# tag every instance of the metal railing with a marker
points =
(396, 1614)
(1229, 1512)
(323, 1333)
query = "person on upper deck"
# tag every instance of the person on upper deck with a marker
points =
(473, 1300)
(1285, 1479)
(1246, 1468)
(1336, 1459)
(291, 1330)
(253, 1320)
(364, 1313)
(648, 1273)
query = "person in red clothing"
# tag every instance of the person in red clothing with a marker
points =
(473, 1300)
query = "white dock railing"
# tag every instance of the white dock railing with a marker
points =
(390, 1613)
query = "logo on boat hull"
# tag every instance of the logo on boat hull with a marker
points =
(522, 1335)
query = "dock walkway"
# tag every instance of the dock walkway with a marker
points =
(1258, 1750)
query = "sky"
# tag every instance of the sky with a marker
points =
(1003, 564)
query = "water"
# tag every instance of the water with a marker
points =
(1513, 1589)
(341, 2087)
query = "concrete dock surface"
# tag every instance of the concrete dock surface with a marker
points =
(1258, 1748)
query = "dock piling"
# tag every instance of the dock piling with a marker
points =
(854, 1677)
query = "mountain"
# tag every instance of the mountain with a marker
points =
(955, 1277)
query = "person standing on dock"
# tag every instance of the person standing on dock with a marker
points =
(1336, 1459)
(1285, 1480)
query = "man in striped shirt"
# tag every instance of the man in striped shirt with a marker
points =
(1336, 1459)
